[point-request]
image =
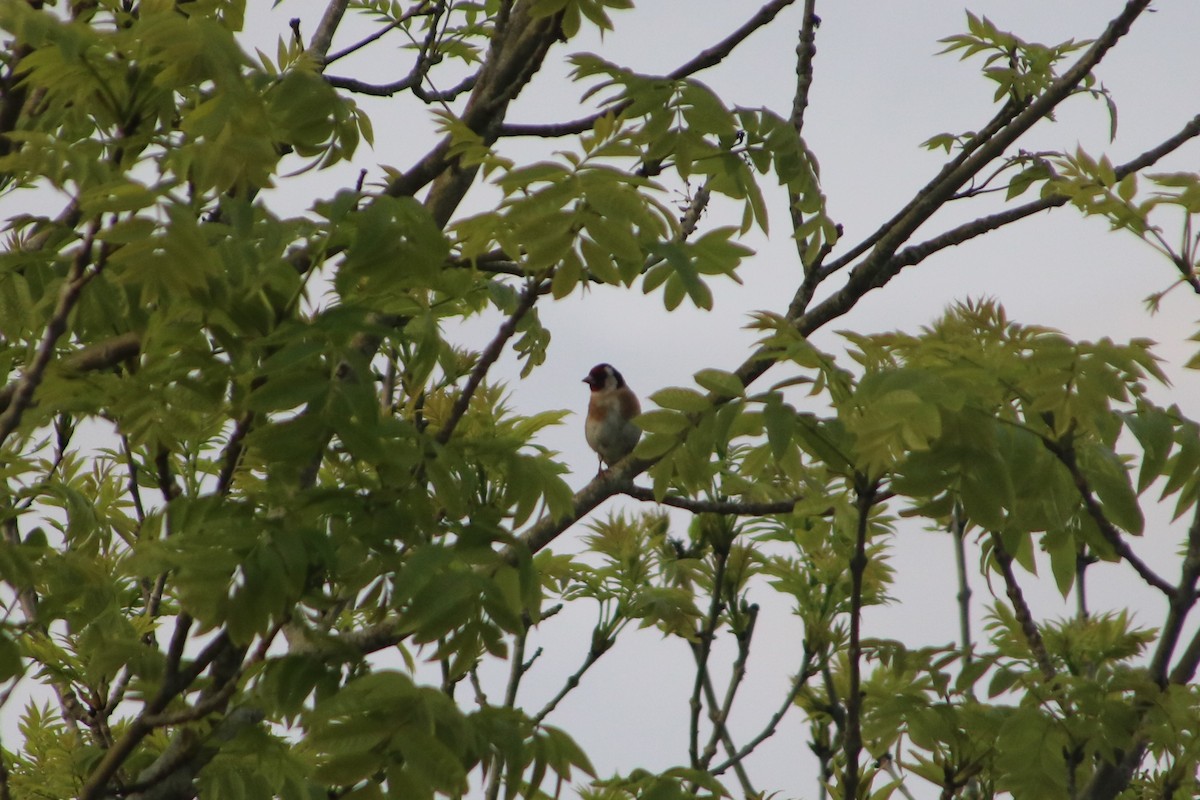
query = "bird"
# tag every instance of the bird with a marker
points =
(609, 428)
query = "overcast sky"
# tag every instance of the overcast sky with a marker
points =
(879, 91)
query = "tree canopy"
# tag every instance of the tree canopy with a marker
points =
(272, 527)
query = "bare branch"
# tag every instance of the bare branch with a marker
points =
(605, 485)
(415, 11)
(721, 711)
(601, 643)
(1033, 636)
(426, 58)
(807, 670)
(232, 455)
(701, 650)
(1066, 456)
(1181, 605)
(858, 567)
(709, 57)
(806, 49)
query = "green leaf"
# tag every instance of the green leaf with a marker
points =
(779, 418)
(1155, 432)
(680, 399)
(1110, 480)
(663, 421)
(723, 383)
(655, 445)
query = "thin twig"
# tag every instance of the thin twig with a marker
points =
(415, 11)
(703, 648)
(515, 673)
(601, 644)
(721, 711)
(852, 745)
(1033, 637)
(488, 357)
(958, 530)
(1065, 454)
(806, 671)
(720, 733)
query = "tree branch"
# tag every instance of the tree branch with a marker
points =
(1033, 637)
(1181, 605)
(701, 651)
(858, 567)
(609, 482)
(174, 683)
(601, 644)
(962, 233)
(958, 529)
(1066, 456)
(806, 671)
(420, 69)
(720, 713)
(318, 46)
(880, 266)
(68, 295)
(763, 509)
(884, 263)
(709, 57)
(415, 11)
(529, 296)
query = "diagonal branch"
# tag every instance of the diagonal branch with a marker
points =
(1181, 605)
(1066, 456)
(612, 481)
(417, 10)
(488, 357)
(1033, 637)
(807, 670)
(910, 256)
(709, 57)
